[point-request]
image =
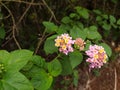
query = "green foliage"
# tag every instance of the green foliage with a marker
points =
(75, 58)
(54, 67)
(2, 33)
(75, 77)
(12, 78)
(76, 32)
(66, 66)
(82, 12)
(41, 80)
(49, 46)
(92, 33)
(50, 27)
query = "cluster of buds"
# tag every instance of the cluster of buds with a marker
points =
(2, 70)
(79, 44)
(97, 56)
(64, 42)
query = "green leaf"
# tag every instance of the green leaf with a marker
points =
(97, 12)
(49, 46)
(118, 22)
(98, 18)
(63, 28)
(38, 60)
(15, 81)
(2, 33)
(92, 33)
(112, 19)
(106, 26)
(41, 80)
(76, 32)
(66, 20)
(54, 67)
(74, 15)
(4, 56)
(75, 78)
(75, 58)
(105, 16)
(18, 59)
(107, 49)
(50, 27)
(82, 12)
(66, 66)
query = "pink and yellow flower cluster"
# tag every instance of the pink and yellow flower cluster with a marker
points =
(64, 42)
(97, 56)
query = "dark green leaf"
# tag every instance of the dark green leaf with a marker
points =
(49, 46)
(66, 66)
(66, 20)
(92, 33)
(75, 58)
(38, 60)
(75, 78)
(2, 33)
(41, 80)
(76, 32)
(54, 67)
(82, 12)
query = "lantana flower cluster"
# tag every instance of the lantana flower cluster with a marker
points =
(64, 42)
(97, 56)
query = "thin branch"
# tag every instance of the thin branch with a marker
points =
(52, 13)
(42, 38)
(115, 84)
(14, 25)
(25, 12)
(25, 2)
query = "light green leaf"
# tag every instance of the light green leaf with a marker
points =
(4, 56)
(75, 58)
(2, 33)
(49, 45)
(92, 33)
(54, 67)
(112, 19)
(66, 66)
(106, 26)
(82, 12)
(41, 80)
(97, 12)
(74, 15)
(118, 22)
(98, 18)
(76, 32)
(15, 81)
(66, 20)
(107, 49)
(50, 27)
(18, 59)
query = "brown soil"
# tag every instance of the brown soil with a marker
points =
(109, 78)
